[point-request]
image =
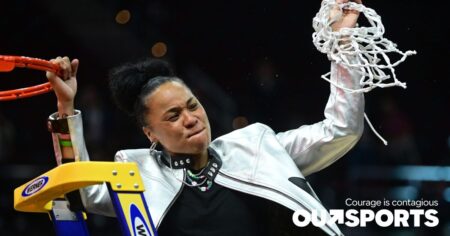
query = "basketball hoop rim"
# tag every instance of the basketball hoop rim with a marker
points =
(8, 63)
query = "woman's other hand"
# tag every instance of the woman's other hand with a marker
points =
(65, 87)
(348, 19)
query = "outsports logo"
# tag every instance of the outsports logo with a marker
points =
(35, 186)
(140, 227)
(360, 218)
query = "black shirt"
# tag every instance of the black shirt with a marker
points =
(222, 211)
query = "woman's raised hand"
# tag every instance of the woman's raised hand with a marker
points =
(349, 16)
(65, 87)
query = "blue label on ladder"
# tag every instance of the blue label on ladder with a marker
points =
(35, 186)
(138, 221)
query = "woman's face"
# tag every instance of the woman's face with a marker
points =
(177, 120)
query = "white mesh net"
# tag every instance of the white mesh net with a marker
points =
(361, 48)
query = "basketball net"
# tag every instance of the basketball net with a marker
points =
(361, 49)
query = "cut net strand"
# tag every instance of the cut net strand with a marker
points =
(361, 49)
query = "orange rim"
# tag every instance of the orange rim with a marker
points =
(8, 63)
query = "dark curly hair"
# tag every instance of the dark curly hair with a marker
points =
(131, 83)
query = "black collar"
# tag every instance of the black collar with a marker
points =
(181, 162)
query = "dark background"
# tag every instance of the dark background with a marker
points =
(248, 61)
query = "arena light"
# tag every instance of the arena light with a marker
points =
(159, 49)
(123, 16)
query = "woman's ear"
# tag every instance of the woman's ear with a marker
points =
(149, 134)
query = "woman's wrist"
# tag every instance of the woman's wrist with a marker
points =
(65, 109)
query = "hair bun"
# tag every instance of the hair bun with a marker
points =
(126, 81)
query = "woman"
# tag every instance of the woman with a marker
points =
(231, 185)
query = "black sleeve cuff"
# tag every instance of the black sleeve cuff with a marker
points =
(58, 126)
